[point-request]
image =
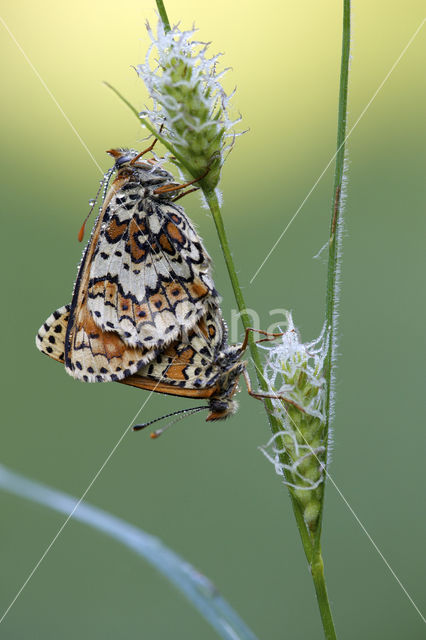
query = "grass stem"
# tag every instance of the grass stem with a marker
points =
(335, 238)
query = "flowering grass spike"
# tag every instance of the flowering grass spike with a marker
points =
(189, 101)
(294, 372)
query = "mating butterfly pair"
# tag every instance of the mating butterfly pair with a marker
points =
(144, 310)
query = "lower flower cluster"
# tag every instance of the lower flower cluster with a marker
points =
(294, 374)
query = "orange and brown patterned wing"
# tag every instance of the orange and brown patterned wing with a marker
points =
(50, 338)
(188, 366)
(95, 355)
(149, 274)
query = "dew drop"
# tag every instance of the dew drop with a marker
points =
(91, 202)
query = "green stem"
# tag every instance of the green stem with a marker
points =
(335, 239)
(317, 570)
(213, 203)
(163, 15)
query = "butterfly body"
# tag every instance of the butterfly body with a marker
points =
(223, 404)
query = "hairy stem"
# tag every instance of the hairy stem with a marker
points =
(334, 260)
(335, 239)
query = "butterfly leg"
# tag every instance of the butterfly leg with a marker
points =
(178, 187)
(185, 193)
(262, 395)
(147, 150)
(271, 336)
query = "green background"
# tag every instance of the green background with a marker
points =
(205, 489)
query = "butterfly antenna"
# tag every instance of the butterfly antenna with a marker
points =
(182, 414)
(102, 186)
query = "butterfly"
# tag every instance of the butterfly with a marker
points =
(144, 310)
(144, 278)
(200, 364)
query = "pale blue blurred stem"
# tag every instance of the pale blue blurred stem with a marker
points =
(197, 588)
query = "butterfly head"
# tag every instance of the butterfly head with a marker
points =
(220, 409)
(222, 404)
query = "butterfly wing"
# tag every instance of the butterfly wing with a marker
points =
(188, 366)
(183, 368)
(149, 274)
(98, 356)
(50, 338)
(90, 354)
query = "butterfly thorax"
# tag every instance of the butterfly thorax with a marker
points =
(147, 175)
(228, 355)
(222, 404)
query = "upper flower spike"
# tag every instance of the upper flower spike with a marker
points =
(189, 101)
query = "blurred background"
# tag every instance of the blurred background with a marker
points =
(205, 489)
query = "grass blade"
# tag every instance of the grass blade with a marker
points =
(198, 589)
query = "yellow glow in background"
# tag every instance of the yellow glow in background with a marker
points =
(205, 489)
